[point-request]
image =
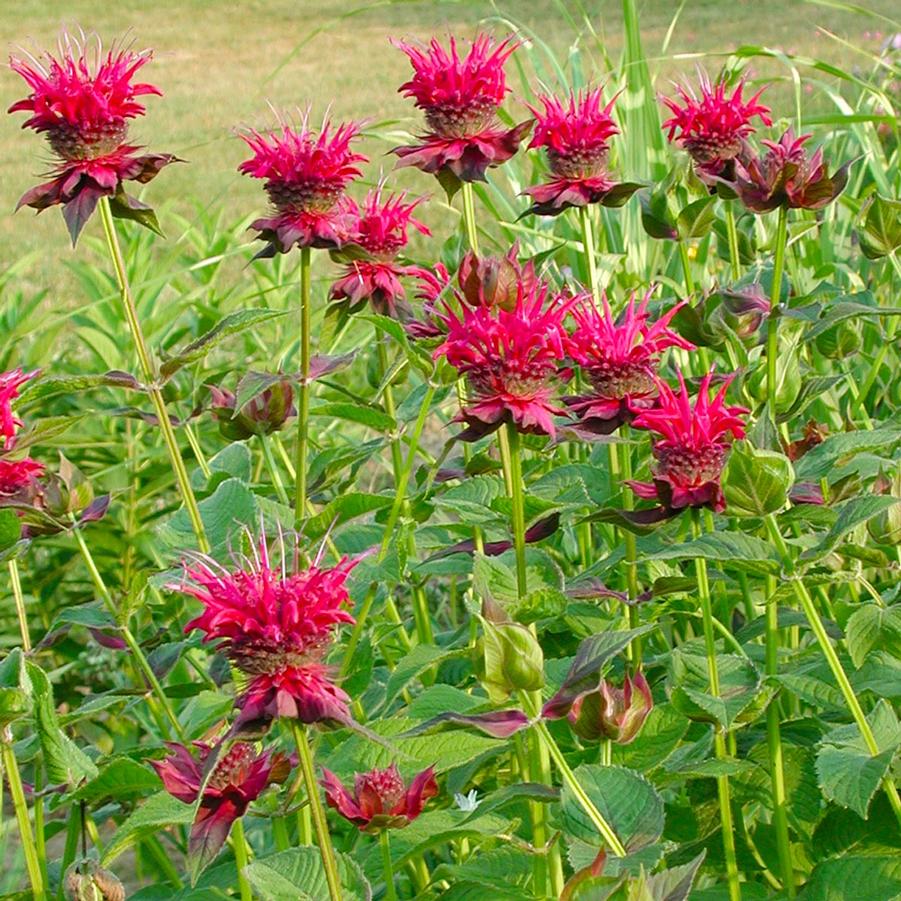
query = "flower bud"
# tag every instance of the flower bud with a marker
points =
(756, 482)
(86, 880)
(788, 382)
(838, 341)
(513, 660)
(263, 414)
(494, 281)
(613, 713)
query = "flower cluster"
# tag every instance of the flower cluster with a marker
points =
(460, 98)
(305, 174)
(712, 124)
(276, 627)
(510, 356)
(373, 273)
(575, 134)
(691, 450)
(82, 102)
(18, 475)
(619, 359)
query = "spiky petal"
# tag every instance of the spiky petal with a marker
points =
(305, 174)
(82, 101)
(380, 798)
(691, 452)
(620, 359)
(10, 383)
(510, 358)
(460, 97)
(275, 626)
(712, 124)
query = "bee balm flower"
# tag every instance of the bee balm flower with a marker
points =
(275, 627)
(510, 357)
(575, 135)
(305, 175)
(380, 232)
(82, 102)
(238, 779)
(691, 452)
(460, 99)
(712, 125)
(620, 360)
(380, 799)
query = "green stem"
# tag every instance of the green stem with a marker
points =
(631, 552)
(320, 824)
(150, 377)
(686, 270)
(26, 838)
(838, 671)
(239, 846)
(732, 231)
(469, 217)
(774, 747)
(303, 390)
(588, 247)
(719, 739)
(772, 322)
(509, 444)
(21, 613)
(135, 649)
(387, 866)
(273, 471)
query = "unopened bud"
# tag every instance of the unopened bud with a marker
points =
(613, 713)
(494, 281)
(513, 660)
(86, 880)
(264, 414)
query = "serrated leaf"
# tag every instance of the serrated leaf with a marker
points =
(119, 779)
(732, 549)
(871, 628)
(15, 688)
(740, 686)
(361, 413)
(342, 509)
(696, 219)
(851, 514)
(298, 875)
(158, 812)
(862, 877)
(417, 660)
(817, 462)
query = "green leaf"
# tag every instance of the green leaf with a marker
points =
(861, 877)
(696, 219)
(365, 415)
(157, 813)
(298, 875)
(499, 872)
(756, 482)
(740, 685)
(234, 461)
(873, 628)
(65, 762)
(880, 234)
(51, 386)
(119, 779)
(851, 514)
(732, 549)
(15, 688)
(628, 802)
(417, 660)
(233, 324)
(342, 509)
(10, 528)
(817, 462)
(661, 733)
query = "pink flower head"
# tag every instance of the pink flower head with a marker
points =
(620, 359)
(275, 626)
(82, 101)
(692, 451)
(10, 383)
(380, 232)
(238, 779)
(786, 177)
(460, 99)
(433, 286)
(18, 477)
(712, 127)
(575, 134)
(380, 799)
(510, 359)
(305, 174)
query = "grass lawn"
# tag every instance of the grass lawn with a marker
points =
(219, 64)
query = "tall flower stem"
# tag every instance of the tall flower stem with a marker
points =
(26, 837)
(588, 247)
(277, 483)
(320, 824)
(239, 846)
(569, 778)
(732, 232)
(303, 389)
(774, 745)
(690, 289)
(631, 553)
(838, 671)
(387, 866)
(772, 322)
(719, 738)
(148, 369)
(134, 648)
(551, 866)
(469, 217)
(21, 613)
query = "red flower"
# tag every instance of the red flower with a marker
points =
(460, 98)
(433, 286)
(305, 175)
(276, 627)
(713, 126)
(510, 358)
(575, 135)
(692, 452)
(786, 177)
(18, 475)
(380, 798)
(238, 779)
(82, 102)
(10, 383)
(380, 233)
(620, 359)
